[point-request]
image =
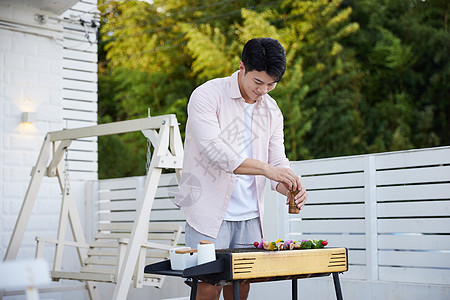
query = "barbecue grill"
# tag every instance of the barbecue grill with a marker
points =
(256, 265)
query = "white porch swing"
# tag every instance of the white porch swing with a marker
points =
(120, 248)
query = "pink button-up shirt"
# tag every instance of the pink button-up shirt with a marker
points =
(214, 131)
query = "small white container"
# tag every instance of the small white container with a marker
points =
(206, 252)
(181, 261)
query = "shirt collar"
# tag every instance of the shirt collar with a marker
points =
(235, 92)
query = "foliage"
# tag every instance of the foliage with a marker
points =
(403, 46)
(328, 88)
(362, 76)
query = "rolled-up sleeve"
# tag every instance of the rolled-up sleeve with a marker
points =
(206, 131)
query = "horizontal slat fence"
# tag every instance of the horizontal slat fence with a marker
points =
(119, 198)
(390, 210)
(80, 87)
(335, 211)
(413, 211)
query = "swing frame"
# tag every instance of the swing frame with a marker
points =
(168, 153)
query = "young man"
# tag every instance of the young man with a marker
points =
(234, 142)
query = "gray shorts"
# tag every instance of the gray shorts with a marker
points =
(232, 234)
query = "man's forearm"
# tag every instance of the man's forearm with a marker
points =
(287, 180)
(252, 166)
(285, 176)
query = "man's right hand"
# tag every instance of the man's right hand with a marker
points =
(285, 176)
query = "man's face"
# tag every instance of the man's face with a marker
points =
(254, 84)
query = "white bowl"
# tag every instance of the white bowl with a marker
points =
(181, 261)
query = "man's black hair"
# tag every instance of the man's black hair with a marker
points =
(265, 54)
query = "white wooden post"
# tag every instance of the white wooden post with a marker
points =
(140, 265)
(176, 146)
(160, 159)
(370, 196)
(91, 209)
(69, 212)
(138, 234)
(139, 276)
(37, 174)
(61, 235)
(57, 157)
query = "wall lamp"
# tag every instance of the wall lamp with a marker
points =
(29, 117)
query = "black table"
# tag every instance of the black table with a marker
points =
(215, 272)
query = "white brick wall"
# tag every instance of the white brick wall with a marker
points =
(30, 80)
(32, 63)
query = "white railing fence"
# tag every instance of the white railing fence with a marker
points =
(390, 210)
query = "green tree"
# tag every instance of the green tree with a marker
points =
(144, 62)
(328, 92)
(403, 47)
(362, 76)
(319, 94)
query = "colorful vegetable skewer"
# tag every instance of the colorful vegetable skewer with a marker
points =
(290, 244)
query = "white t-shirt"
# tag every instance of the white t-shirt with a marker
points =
(244, 201)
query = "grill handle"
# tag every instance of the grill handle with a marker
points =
(184, 251)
